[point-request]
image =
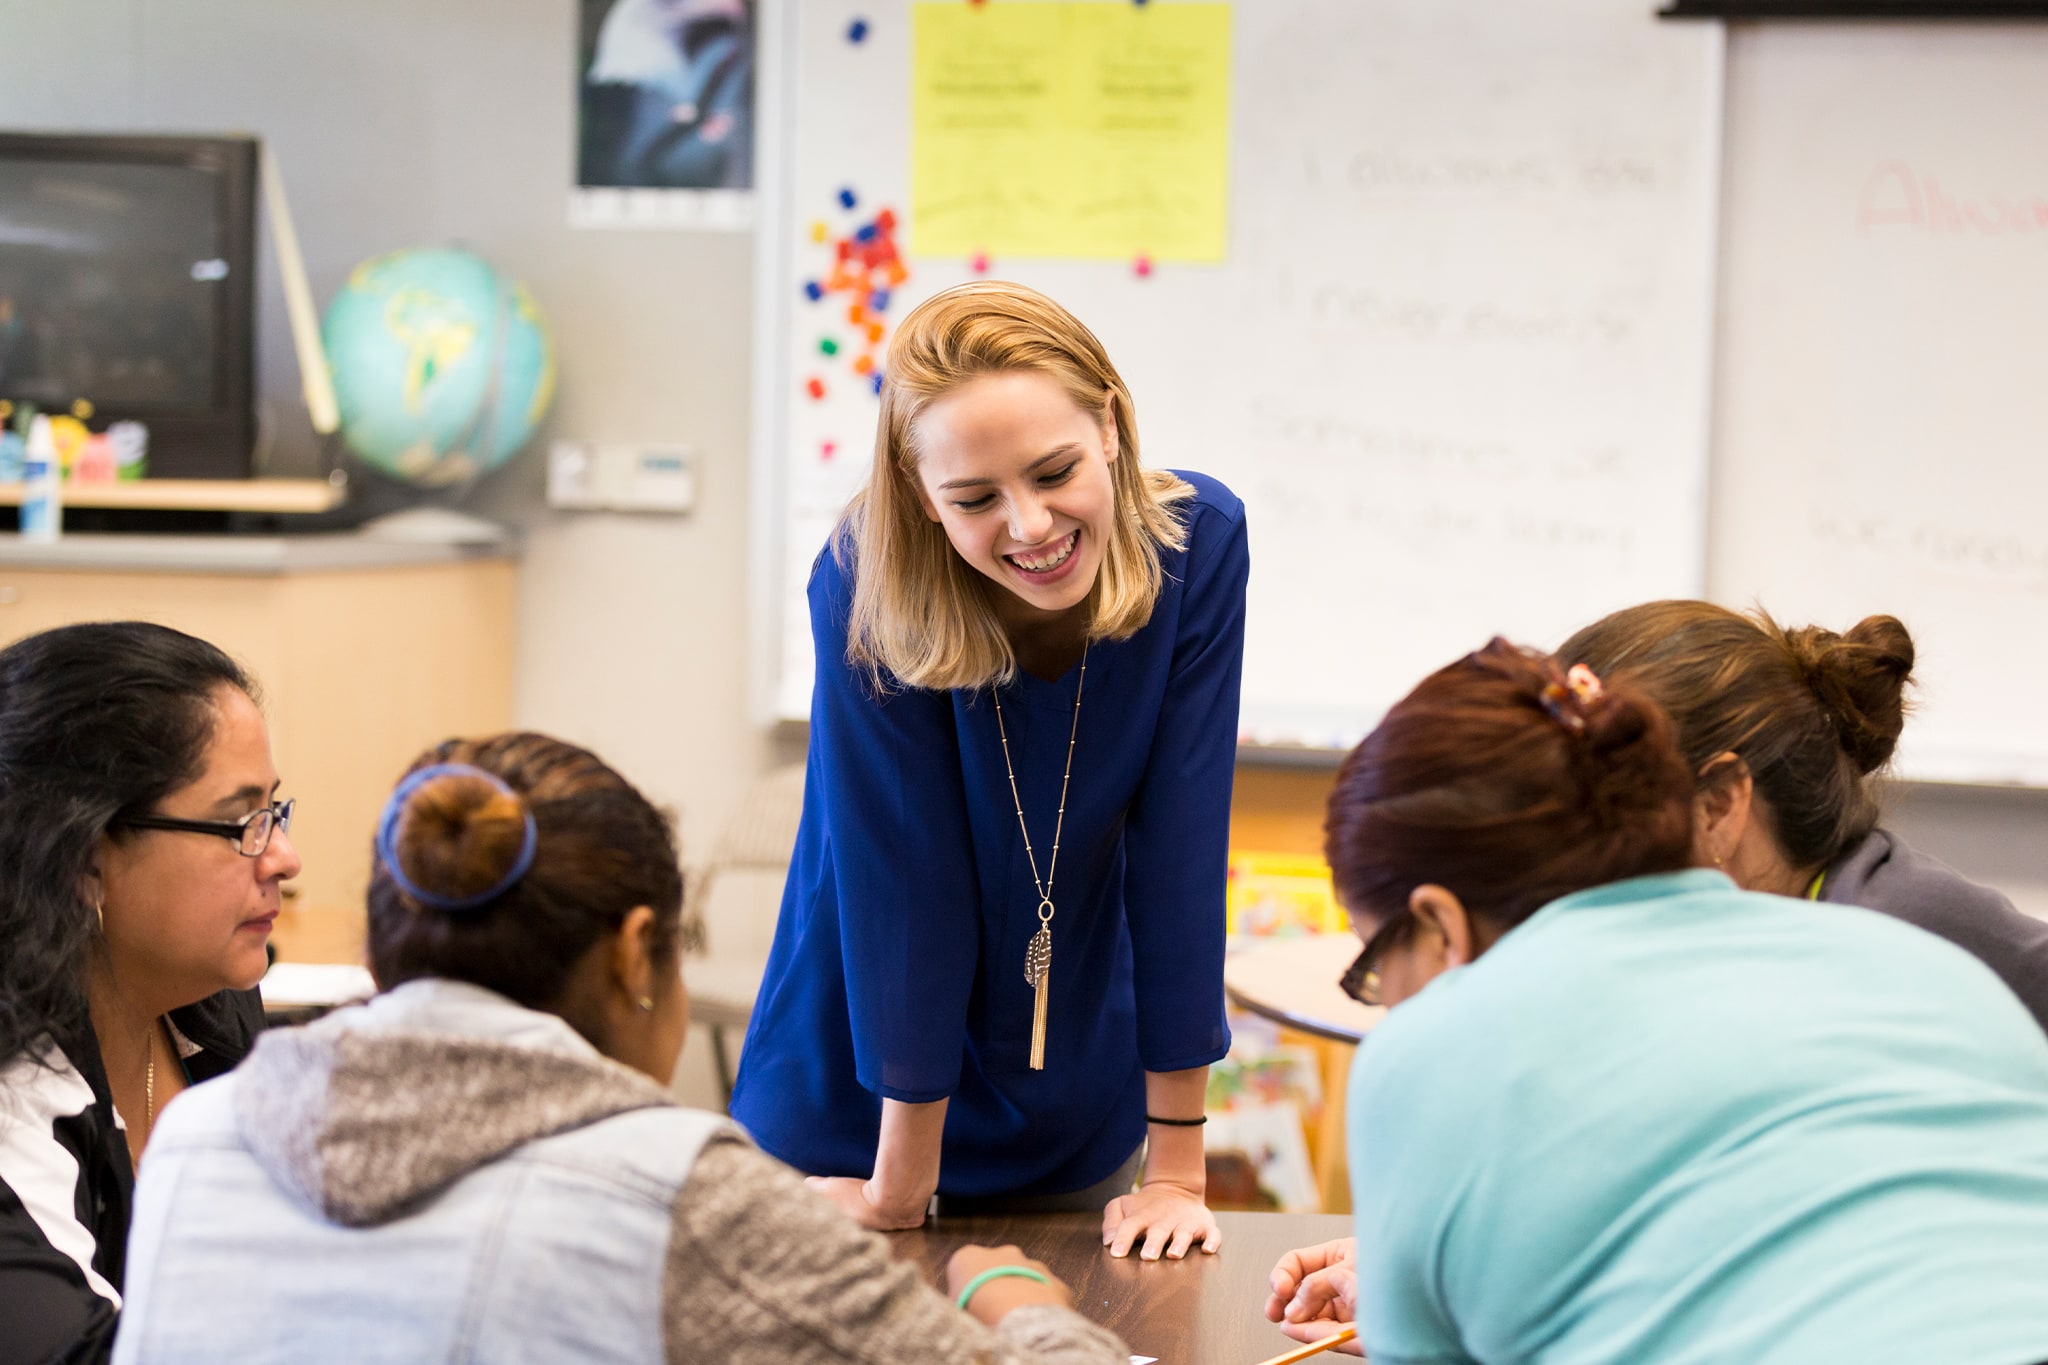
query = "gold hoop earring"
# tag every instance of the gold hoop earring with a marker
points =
(646, 1004)
(99, 907)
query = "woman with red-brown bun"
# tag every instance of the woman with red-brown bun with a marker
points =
(1622, 1109)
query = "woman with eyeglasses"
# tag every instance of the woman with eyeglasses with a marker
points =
(484, 1162)
(1787, 732)
(1621, 1109)
(142, 846)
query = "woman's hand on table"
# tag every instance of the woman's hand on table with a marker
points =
(857, 1200)
(1169, 1216)
(996, 1298)
(1315, 1292)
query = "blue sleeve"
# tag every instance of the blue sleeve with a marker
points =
(1177, 837)
(909, 921)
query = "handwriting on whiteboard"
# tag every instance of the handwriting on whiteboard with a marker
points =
(2014, 560)
(1895, 195)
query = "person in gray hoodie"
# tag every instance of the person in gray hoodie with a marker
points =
(1787, 731)
(480, 1163)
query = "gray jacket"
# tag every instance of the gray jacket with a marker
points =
(1882, 873)
(442, 1175)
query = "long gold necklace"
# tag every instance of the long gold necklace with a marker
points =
(1038, 956)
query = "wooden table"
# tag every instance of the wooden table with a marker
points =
(1205, 1310)
(1293, 981)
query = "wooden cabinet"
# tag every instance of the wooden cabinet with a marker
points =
(365, 654)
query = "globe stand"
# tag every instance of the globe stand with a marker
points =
(427, 525)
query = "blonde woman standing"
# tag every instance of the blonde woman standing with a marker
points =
(998, 975)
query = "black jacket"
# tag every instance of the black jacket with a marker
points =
(1882, 873)
(66, 1184)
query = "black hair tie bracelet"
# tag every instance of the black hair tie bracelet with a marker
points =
(1177, 1123)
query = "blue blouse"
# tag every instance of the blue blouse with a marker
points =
(898, 965)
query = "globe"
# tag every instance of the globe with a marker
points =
(442, 366)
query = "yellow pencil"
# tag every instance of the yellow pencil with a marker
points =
(1304, 1352)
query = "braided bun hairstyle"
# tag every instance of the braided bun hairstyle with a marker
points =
(503, 861)
(1499, 780)
(1812, 714)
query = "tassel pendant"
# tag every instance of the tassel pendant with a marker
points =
(1038, 971)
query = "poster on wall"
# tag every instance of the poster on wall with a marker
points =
(665, 114)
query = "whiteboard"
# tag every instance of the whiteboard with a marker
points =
(1882, 440)
(1456, 360)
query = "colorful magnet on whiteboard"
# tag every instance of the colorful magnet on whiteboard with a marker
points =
(874, 332)
(886, 220)
(828, 450)
(829, 346)
(856, 315)
(857, 31)
(1142, 266)
(864, 234)
(819, 232)
(980, 263)
(864, 365)
(813, 290)
(847, 198)
(879, 300)
(878, 381)
(815, 387)
(897, 274)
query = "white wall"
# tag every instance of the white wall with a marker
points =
(414, 122)
(422, 122)
(417, 122)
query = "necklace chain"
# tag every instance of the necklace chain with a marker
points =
(1045, 906)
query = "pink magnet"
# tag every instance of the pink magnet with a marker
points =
(980, 263)
(828, 450)
(1142, 266)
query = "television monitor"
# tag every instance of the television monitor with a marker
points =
(127, 279)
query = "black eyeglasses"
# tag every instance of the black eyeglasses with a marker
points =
(1361, 980)
(250, 835)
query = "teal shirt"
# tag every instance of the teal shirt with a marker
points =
(1667, 1120)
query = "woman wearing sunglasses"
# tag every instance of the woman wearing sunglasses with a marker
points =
(1623, 1110)
(142, 845)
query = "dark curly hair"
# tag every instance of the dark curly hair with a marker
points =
(97, 722)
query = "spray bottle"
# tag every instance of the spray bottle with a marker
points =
(42, 513)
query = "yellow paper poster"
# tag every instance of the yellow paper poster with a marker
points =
(1097, 129)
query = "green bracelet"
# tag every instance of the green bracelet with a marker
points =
(997, 1273)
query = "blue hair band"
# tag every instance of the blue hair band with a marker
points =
(387, 838)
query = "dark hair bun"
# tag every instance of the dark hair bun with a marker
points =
(1626, 759)
(459, 835)
(1511, 782)
(1615, 722)
(1860, 678)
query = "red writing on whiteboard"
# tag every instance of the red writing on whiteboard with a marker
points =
(1897, 196)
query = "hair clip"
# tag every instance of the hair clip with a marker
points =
(1568, 701)
(387, 838)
